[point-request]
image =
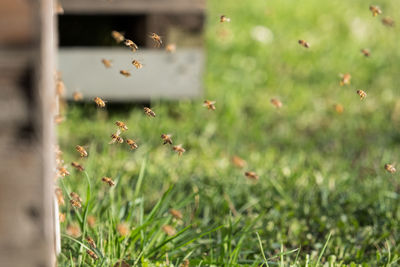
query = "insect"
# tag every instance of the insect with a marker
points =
(75, 203)
(238, 162)
(156, 38)
(125, 73)
(251, 175)
(61, 217)
(179, 149)
(137, 64)
(339, 108)
(365, 52)
(99, 102)
(91, 242)
(81, 150)
(59, 119)
(388, 22)
(91, 254)
(60, 87)
(118, 37)
(106, 63)
(390, 168)
(304, 43)
(73, 230)
(362, 94)
(60, 197)
(149, 112)
(209, 104)
(77, 166)
(75, 196)
(121, 125)
(116, 138)
(185, 263)
(132, 45)
(375, 10)
(166, 138)
(123, 229)
(276, 102)
(345, 79)
(108, 181)
(91, 220)
(223, 18)
(63, 171)
(132, 143)
(170, 48)
(176, 214)
(77, 96)
(169, 230)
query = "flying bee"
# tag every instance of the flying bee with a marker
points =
(91, 220)
(118, 37)
(108, 181)
(251, 175)
(176, 214)
(238, 162)
(375, 10)
(304, 43)
(61, 217)
(345, 79)
(77, 96)
(75, 196)
(115, 137)
(223, 18)
(99, 102)
(185, 263)
(60, 87)
(121, 125)
(125, 73)
(63, 171)
(169, 230)
(338, 108)
(91, 242)
(209, 104)
(365, 52)
(91, 254)
(132, 45)
(132, 143)
(362, 94)
(58, 119)
(277, 103)
(149, 112)
(123, 229)
(137, 64)
(156, 38)
(170, 48)
(106, 63)
(77, 166)
(390, 168)
(60, 197)
(75, 203)
(387, 21)
(166, 139)
(179, 149)
(81, 150)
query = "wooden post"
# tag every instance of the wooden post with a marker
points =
(27, 137)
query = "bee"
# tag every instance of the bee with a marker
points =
(390, 168)
(60, 87)
(77, 166)
(116, 138)
(223, 18)
(125, 73)
(91, 254)
(166, 138)
(170, 48)
(339, 108)
(75, 196)
(362, 94)
(375, 10)
(121, 125)
(156, 38)
(123, 229)
(238, 162)
(60, 197)
(63, 171)
(77, 96)
(132, 143)
(185, 263)
(81, 150)
(388, 22)
(276, 102)
(131, 44)
(149, 112)
(108, 181)
(118, 37)
(169, 230)
(61, 217)
(345, 79)
(91, 220)
(106, 63)
(59, 119)
(73, 230)
(176, 214)
(59, 8)
(365, 52)
(179, 149)
(75, 203)
(209, 104)
(99, 102)
(137, 64)
(304, 43)
(251, 175)
(91, 242)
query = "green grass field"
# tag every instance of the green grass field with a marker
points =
(323, 196)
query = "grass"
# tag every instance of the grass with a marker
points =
(323, 197)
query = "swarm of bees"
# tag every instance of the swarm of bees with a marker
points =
(304, 43)
(108, 181)
(390, 168)
(362, 94)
